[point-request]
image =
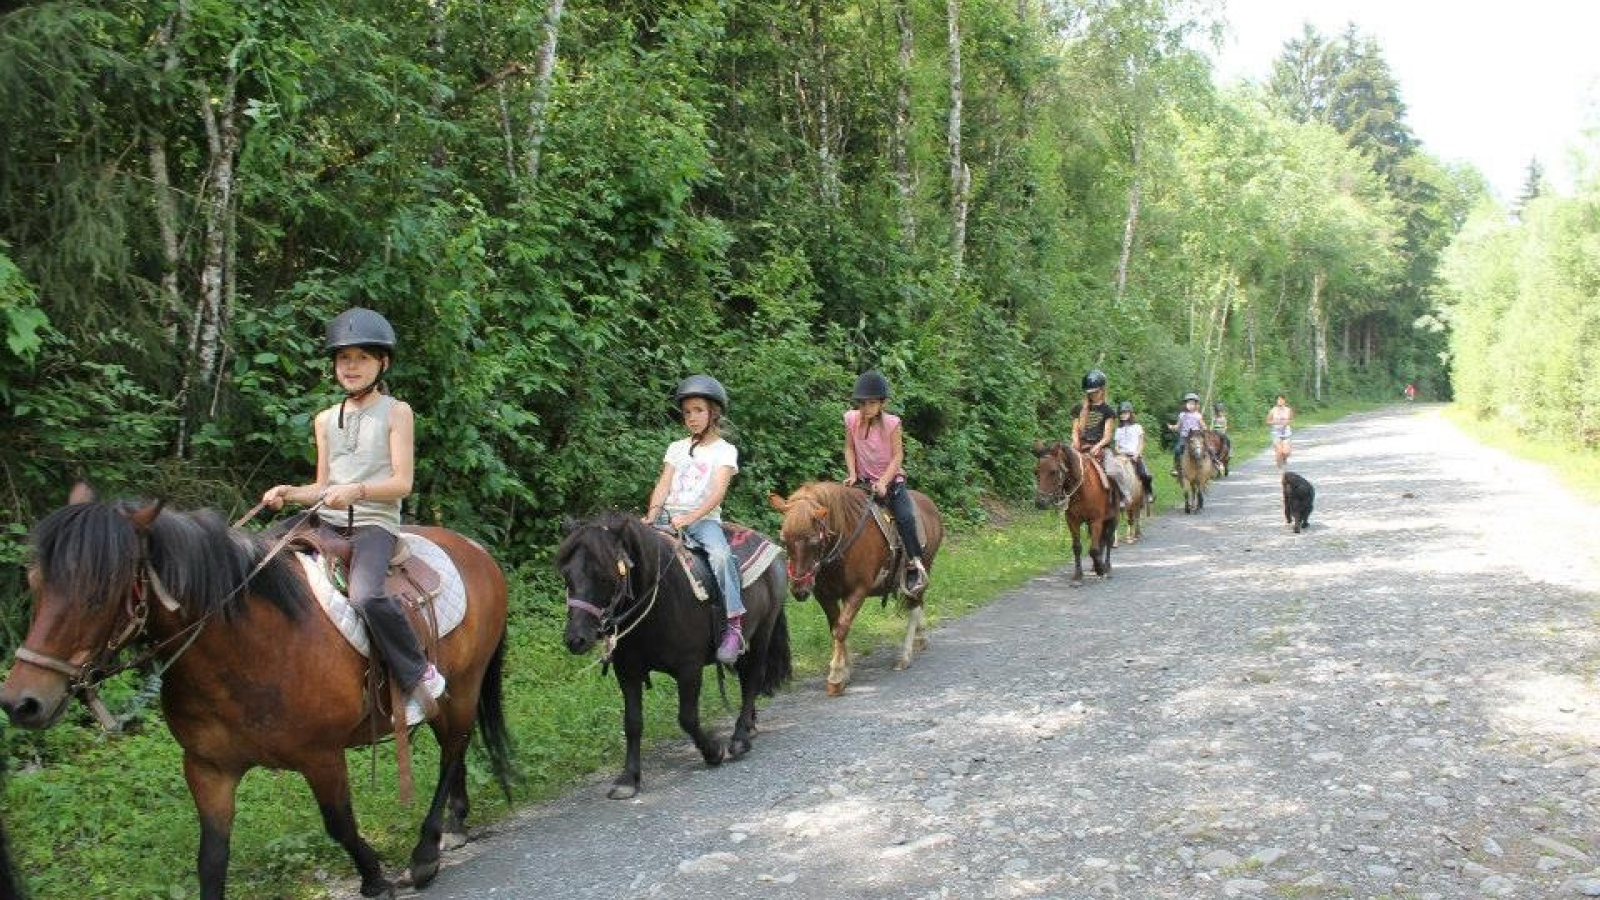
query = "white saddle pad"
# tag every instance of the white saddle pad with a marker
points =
(449, 605)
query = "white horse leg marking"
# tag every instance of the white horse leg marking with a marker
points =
(908, 646)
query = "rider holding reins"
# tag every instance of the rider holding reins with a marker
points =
(365, 461)
(1093, 430)
(874, 454)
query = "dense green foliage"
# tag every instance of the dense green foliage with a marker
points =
(1522, 297)
(770, 191)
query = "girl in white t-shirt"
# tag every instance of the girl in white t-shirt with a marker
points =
(694, 477)
(1129, 438)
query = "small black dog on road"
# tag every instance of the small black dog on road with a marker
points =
(1297, 496)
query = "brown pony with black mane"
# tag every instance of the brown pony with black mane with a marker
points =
(836, 550)
(254, 673)
(1196, 468)
(1063, 479)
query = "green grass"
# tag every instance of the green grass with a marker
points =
(1577, 467)
(110, 817)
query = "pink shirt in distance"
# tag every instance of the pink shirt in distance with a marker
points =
(875, 449)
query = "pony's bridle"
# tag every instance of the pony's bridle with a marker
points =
(89, 669)
(840, 544)
(1062, 497)
(618, 617)
(85, 672)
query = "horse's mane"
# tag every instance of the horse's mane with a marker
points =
(601, 536)
(844, 504)
(91, 552)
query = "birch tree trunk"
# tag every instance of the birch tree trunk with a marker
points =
(436, 34)
(1130, 223)
(210, 313)
(165, 201)
(960, 176)
(1250, 334)
(1319, 335)
(828, 127)
(543, 73)
(899, 133)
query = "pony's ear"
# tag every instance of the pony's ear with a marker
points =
(820, 513)
(143, 518)
(1038, 448)
(568, 524)
(777, 502)
(81, 493)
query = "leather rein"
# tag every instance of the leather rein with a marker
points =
(88, 669)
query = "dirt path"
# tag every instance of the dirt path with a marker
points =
(1398, 703)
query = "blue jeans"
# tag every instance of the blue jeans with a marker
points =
(710, 536)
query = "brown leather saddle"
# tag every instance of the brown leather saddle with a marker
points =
(410, 579)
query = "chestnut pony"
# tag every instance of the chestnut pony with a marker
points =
(835, 550)
(1064, 479)
(255, 673)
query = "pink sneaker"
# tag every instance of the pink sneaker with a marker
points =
(732, 646)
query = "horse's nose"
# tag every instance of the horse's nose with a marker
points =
(1040, 501)
(578, 643)
(25, 711)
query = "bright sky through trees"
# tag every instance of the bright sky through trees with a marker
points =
(1491, 84)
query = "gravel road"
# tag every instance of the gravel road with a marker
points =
(1398, 703)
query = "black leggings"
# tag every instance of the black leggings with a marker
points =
(371, 548)
(905, 518)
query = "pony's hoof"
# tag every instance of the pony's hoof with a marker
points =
(920, 644)
(737, 749)
(715, 757)
(623, 791)
(378, 889)
(452, 840)
(901, 664)
(835, 689)
(423, 875)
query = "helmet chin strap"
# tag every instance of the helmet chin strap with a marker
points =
(358, 393)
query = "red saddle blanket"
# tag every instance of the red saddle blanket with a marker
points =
(752, 550)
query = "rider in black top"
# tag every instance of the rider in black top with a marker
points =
(1094, 427)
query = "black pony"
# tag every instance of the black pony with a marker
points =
(9, 889)
(625, 587)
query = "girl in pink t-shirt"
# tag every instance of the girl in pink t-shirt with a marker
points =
(874, 452)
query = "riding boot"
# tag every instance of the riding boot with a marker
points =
(396, 644)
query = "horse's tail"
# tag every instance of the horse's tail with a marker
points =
(780, 664)
(492, 719)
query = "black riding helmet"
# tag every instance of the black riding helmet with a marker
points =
(369, 330)
(1095, 380)
(1124, 407)
(1191, 396)
(360, 327)
(700, 386)
(871, 386)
